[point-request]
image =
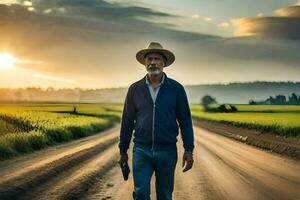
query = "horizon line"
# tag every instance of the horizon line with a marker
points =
(121, 87)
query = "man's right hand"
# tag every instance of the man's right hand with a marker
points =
(123, 159)
(188, 159)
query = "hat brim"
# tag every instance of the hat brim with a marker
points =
(140, 56)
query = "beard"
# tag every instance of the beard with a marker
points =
(153, 69)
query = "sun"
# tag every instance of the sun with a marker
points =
(6, 61)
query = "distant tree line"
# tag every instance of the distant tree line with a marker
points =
(50, 94)
(278, 100)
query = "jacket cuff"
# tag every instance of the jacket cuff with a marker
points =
(123, 151)
(189, 150)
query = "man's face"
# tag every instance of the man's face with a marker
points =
(154, 63)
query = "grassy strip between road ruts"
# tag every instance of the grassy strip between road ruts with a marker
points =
(36, 128)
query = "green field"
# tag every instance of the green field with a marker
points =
(28, 127)
(281, 120)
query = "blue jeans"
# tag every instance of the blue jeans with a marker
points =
(145, 162)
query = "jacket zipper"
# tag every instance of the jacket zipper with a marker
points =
(153, 120)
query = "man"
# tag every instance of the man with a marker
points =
(152, 108)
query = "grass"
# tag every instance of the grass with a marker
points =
(6, 127)
(281, 120)
(28, 127)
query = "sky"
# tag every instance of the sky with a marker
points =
(92, 43)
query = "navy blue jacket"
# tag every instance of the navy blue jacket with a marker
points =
(156, 125)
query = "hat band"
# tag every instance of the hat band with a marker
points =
(158, 53)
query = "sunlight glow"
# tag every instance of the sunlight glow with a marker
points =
(6, 61)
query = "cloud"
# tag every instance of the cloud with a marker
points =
(61, 9)
(292, 11)
(224, 25)
(285, 25)
(196, 16)
(258, 49)
(49, 10)
(207, 18)
(30, 8)
(99, 8)
(27, 3)
(97, 41)
(85, 35)
(53, 78)
(96, 16)
(8, 2)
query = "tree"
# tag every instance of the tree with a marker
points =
(280, 99)
(206, 100)
(293, 99)
(233, 108)
(252, 102)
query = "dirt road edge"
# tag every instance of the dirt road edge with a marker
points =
(285, 146)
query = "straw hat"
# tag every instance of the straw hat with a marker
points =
(155, 47)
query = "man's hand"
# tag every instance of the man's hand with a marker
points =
(188, 159)
(123, 159)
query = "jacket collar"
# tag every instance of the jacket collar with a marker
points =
(145, 86)
(146, 79)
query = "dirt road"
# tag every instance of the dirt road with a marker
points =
(87, 169)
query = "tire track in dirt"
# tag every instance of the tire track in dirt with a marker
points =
(30, 182)
(112, 186)
(75, 184)
(223, 169)
(249, 159)
(196, 183)
(88, 169)
(237, 167)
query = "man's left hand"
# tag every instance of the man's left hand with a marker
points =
(188, 160)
